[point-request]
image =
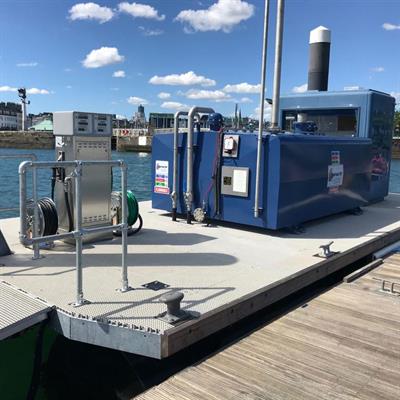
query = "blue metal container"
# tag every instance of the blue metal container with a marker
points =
(304, 177)
(354, 113)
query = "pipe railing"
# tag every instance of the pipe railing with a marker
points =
(189, 158)
(79, 232)
(32, 157)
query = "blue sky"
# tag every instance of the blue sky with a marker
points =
(66, 52)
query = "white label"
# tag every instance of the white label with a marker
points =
(142, 140)
(59, 141)
(161, 177)
(335, 175)
(239, 181)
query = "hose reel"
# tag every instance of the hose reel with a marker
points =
(133, 212)
(48, 217)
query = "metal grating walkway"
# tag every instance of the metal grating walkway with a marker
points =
(19, 311)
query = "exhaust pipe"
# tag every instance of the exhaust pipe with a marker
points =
(318, 67)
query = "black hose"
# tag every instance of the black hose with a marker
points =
(131, 231)
(53, 181)
(50, 216)
(69, 212)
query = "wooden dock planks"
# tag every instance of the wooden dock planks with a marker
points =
(344, 344)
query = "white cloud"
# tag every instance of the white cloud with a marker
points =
(67, 70)
(186, 79)
(28, 91)
(91, 11)
(68, 87)
(378, 69)
(150, 32)
(267, 112)
(119, 74)
(37, 91)
(138, 10)
(243, 87)
(349, 88)
(300, 89)
(101, 57)
(115, 89)
(215, 95)
(222, 15)
(246, 100)
(8, 89)
(28, 64)
(164, 95)
(174, 105)
(390, 27)
(396, 95)
(137, 100)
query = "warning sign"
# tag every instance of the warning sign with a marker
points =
(161, 177)
(335, 176)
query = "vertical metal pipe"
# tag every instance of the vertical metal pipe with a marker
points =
(124, 231)
(78, 235)
(174, 194)
(261, 122)
(22, 200)
(189, 157)
(189, 167)
(35, 223)
(278, 64)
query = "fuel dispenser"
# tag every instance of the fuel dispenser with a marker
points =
(83, 136)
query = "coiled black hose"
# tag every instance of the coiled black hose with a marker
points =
(50, 216)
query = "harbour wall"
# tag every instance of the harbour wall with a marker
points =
(26, 140)
(134, 143)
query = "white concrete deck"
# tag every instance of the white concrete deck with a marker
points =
(215, 267)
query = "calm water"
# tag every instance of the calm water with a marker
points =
(139, 176)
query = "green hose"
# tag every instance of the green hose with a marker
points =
(133, 208)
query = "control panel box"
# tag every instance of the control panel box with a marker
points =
(230, 146)
(235, 181)
(75, 123)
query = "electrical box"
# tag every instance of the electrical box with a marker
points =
(83, 136)
(230, 146)
(235, 181)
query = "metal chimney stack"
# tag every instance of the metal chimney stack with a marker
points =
(318, 68)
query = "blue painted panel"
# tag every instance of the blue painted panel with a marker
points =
(298, 169)
(294, 177)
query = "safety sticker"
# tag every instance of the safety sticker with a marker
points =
(161, 177)
(335, 177)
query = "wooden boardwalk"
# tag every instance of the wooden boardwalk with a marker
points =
(344, 344)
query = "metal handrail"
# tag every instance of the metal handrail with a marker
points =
(30, 156)
(79, 232)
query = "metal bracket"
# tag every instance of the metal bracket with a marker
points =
(389, 287)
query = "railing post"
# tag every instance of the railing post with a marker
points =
(35, 222)
(80, 300)
(124, 230)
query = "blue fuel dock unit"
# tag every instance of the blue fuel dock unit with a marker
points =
(304, 176)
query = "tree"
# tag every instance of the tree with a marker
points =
(397, 123)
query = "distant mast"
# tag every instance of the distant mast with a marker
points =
(318, 67)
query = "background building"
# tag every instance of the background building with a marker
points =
(10, 116)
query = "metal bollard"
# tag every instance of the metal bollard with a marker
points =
(174, 312)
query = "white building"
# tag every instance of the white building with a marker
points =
(10, 116)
